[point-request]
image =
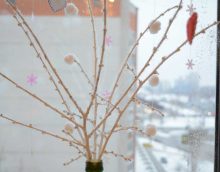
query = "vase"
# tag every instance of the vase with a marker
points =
(94, 166)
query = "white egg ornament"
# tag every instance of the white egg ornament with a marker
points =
(151, 130)
(68, 128)
(71, 9)
(69, 59)
(155, 27)
(154, 80)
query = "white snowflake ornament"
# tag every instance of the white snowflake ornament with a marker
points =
(57, 5)
(69, 59)
(154, 80)
(68, 128)
(155, 27)
(151, 130)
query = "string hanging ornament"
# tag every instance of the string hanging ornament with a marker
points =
(32, 13)
(155, 25)
(190, 29)
(154, 29)
(191, 23)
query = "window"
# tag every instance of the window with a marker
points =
(185, 141)
(182, 107)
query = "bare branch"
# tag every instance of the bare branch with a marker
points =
(125, 64)
(72, 160)
(116, 155)
(138, 101)
(46, 57)
(40, 100)
(147, 63)
(133, 48)
(155, 69)
(101, 65)
(30, 126)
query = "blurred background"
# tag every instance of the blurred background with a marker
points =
(185, 94)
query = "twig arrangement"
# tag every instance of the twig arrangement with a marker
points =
(91, 143)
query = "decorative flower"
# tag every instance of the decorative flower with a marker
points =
(155, 27)
(71, 9)
(32, 79)
(151, 130)
(69, 59)
(154, 80)
(68, 128)
(57, 5)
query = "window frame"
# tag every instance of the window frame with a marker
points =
(217, 122)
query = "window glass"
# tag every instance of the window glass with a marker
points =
(186, 92)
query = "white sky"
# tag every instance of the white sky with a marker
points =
(203, 50)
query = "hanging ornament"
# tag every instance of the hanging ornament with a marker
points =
(106, 95)
(32, 14)
(191, 27)
(68, 128)
(71, 9)
(190, 9)
(154, 80)
(69, 59)
(151, 130)
(108, 41)
(190, 64)
(32, 79)
(155, 27)
(57, 5)
(12, 1)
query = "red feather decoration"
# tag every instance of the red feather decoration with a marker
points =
(191, 27)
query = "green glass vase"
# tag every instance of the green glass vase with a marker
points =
(94, 166)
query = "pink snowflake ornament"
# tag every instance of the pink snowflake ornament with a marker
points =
(32, 79)
(108, 40)
(190, 64)
(57, 5)
(106, 95)
(190, 9)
